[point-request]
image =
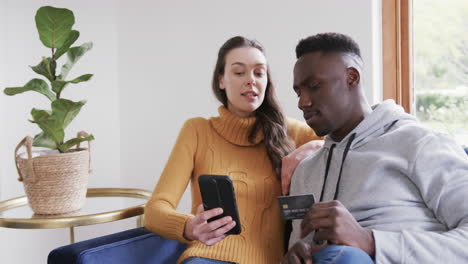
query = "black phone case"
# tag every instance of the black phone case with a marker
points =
(218, 191)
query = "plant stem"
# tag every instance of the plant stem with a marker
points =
(55, 77)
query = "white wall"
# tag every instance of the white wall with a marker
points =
(152, 62)
(3, 52)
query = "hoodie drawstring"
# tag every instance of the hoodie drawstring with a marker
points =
(330, 153)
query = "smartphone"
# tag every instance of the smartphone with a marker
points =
(218, 191)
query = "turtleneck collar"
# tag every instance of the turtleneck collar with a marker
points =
(233, 128)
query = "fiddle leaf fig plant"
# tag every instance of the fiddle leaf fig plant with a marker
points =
(55, 32)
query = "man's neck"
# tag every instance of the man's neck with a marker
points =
(363, 110)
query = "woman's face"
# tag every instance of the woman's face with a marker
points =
(244, 80)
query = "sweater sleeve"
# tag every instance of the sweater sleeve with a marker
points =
(440, 172)
(300, 132)
(161, 216)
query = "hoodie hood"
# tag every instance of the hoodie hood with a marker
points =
(382, 118)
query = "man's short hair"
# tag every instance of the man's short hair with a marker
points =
(327, 43)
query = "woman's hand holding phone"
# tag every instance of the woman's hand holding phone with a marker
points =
(209, 233)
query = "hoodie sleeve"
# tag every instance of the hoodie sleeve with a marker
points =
(440, 171)
(161, 216)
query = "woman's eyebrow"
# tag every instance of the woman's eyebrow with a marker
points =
(243, 64)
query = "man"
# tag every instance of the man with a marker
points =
(387, 189)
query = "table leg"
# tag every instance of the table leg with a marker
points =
(140, 221)
(72, 234)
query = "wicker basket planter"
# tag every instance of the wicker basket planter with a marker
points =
(55, 183)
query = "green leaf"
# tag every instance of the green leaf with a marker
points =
(58, 86)
(72, 37)
(42, 140)
(64, 111)
(82, 78)
(54, 25)
(74, 54)
(70, 143)
(52, 128)
(54, 124)
(38, 114)
(46, 68)
(36, 85)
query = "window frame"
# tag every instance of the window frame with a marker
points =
(397, 48)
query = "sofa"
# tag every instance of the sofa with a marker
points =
(132, 246)
(136, 245)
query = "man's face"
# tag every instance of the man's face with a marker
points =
(321, 83)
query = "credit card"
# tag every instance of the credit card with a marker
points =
(295, 206)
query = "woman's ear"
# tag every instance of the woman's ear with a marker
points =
(354, 77)
(221, 82)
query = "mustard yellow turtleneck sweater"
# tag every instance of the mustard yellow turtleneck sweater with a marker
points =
(220, 146)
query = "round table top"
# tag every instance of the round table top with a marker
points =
(102, 205)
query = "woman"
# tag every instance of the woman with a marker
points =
(247, 142)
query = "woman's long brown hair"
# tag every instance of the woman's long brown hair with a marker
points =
(269, 117)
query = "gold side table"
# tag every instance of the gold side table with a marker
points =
(102, 205)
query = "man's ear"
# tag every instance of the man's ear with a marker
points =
(354, 77)
(221, 82)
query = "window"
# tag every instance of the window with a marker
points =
(426, 61)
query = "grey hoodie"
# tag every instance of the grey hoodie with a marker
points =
(405, 182)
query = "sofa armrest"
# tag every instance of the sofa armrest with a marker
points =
(132, 246)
